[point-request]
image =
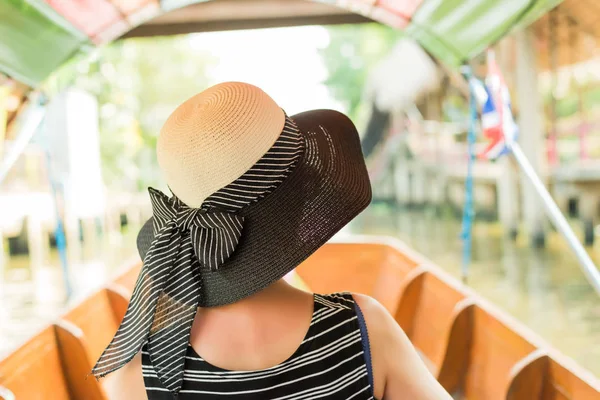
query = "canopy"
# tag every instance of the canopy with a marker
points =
(37, 36)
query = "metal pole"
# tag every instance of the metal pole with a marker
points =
(588, 267)
(468, 210)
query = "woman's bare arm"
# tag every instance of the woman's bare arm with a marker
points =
(398, 371)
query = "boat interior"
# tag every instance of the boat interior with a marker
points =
(474, 350)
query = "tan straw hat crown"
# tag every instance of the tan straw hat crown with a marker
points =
(214, 137)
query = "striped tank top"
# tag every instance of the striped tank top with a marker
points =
(332, 362)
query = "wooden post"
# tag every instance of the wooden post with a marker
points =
(418, 183)
(402, 178)
(508, 198)
(35, 242)
(72, 235)
(2, 253)
(507, 185)
(90, 231)
(531, 126)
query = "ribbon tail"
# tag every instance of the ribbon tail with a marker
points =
(133, 331)
(175, 312)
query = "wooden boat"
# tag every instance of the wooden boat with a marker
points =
(474, 350)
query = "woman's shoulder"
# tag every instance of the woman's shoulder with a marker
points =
(378, 319)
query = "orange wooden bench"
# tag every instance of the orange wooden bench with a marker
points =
(501, 363)
(98, 317)
(436, 317)
(562, 384)
(375, 269)
(105, 308)
(37, 369)
(128, 278)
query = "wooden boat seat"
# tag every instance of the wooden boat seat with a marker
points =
(437, 319)
(38, 367)
(501, 362)
(128, 278)
(375, 269)
(563, 384)
(99, 317)
(539, 376)
(105, 308)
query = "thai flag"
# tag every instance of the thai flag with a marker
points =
(497, 120)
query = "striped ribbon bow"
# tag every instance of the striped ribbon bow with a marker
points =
(167, 292)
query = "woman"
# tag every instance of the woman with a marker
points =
(256, 192)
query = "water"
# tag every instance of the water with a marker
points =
(542, 288)
(33, 297)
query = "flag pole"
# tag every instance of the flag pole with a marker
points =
(556, 216)
(468, 209)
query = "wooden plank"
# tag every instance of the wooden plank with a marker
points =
(393, 278)
(223, 15)
(495, 349)
(97, 321)
(454, 364)
(437, 319)
(76, 364)
(98, 318)
(118, 298)
(128, 278)
(338, 267)
(374, 269)
(146, 30)
(563, 384)
(405, 314)
(527, 376)
(433, 318)
(35, 369)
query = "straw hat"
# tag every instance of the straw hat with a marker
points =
(216, 136)
(255, 192)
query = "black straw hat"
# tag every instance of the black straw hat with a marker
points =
(215, 246)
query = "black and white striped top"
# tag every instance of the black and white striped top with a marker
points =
(329, 364)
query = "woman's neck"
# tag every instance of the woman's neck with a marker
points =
(256, 332)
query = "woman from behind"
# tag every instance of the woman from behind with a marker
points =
(254, 193)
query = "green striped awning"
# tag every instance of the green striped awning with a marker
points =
(37, 36)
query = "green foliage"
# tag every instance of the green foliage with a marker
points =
(352, 52)
(138, 83)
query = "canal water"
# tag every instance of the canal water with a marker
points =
(544, 289)
(31, 297)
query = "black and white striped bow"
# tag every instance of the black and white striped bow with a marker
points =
(167, 292)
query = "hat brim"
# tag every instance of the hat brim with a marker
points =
(328, 188)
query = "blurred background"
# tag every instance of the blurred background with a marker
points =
(78, 154)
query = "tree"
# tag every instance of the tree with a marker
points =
(352, 52)
(138, 83)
